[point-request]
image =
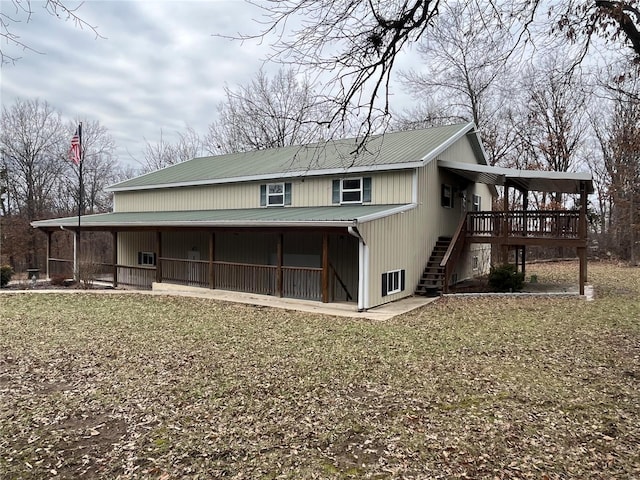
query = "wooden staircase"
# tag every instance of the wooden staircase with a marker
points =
(432, 281)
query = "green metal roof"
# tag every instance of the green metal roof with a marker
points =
(405, 149)
(344, 215)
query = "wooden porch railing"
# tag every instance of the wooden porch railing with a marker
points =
(551, 224)
(139, 277)
(302, 282)
(185, 271)
(60, 267)
(245, 277)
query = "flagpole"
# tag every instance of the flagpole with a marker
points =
(79, 235)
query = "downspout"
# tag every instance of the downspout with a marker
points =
(362, 252)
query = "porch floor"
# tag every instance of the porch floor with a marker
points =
(339, 309)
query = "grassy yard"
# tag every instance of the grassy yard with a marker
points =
(132, 386)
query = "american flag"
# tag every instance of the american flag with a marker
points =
(74, 151)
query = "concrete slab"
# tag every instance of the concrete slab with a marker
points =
(339, 309)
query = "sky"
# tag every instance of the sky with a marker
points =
(156, 67)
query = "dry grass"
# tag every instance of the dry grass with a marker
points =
(98, 386)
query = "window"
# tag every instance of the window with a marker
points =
(147, 259)
(474, 262)
(392, 282)
(275, 194)
(476, 204)
(352, 190)
(446, 196)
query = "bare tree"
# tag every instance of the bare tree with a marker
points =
(465, 74)
(357, 42)
(164, 153)
(99, 170)
(267, 113)
(618, 137)
(31, 146)
(21, 11)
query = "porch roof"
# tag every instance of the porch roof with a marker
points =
(531, 180)
(334, 216)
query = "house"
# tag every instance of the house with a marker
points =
(410, 214)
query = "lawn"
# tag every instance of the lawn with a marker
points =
(133, 386)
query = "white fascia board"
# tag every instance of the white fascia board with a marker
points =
(275, 176)
(386, 213)
(228, 223)
(450, 141)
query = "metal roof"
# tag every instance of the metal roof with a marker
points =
(531, 180)
(335, 216)
(393, 150)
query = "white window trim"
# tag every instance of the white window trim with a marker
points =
(147, 256)
(269, 195)
(390, 275)
(350, 190)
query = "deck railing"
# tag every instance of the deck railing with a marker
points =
(561, 224)
(297, 282)
(302, 282)
(185, 272)
(60, 267)
(245, 277)
(139, 277)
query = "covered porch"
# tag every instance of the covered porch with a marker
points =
(516, 229)
(305, 253)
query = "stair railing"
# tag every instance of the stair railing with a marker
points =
(452, 254)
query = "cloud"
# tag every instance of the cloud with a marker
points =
(160, 66)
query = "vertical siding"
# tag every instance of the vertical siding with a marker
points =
(405, 241)
(130, 243)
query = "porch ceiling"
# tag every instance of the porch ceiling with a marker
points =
(335, 216)
(531, 180)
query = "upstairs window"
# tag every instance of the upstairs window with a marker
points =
(352, 190)
(446, 196)
(275, 194)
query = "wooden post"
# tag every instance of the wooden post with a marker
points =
(525, 227)
(582, 251)
(49, 234)
(505, 225)
(325, 268)
(114, 259)
(158, 256)
(212, 254)
(280, 255)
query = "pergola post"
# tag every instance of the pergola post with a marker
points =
(582, 251)
(504, 251)
(159, 257)
(280, 255)
(114, 258)
(212, 253)
(49, 235)
(325, 268)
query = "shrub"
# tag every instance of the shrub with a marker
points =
(6, 272)
(505, 278)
